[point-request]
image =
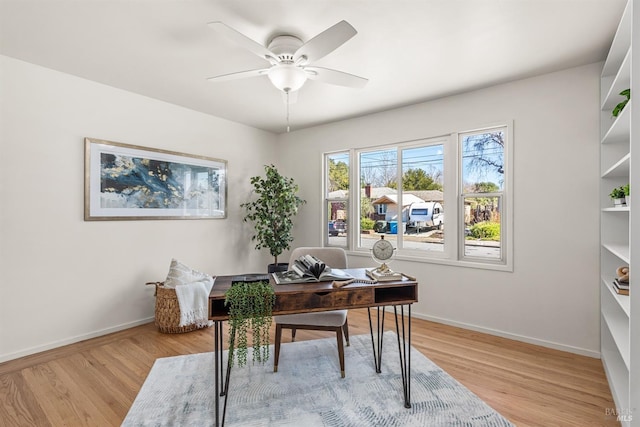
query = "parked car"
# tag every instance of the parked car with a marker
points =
(333, 231)
(337, 227)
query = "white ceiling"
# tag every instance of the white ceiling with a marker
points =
(410, 50)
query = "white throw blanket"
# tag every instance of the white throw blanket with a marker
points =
(193, 299)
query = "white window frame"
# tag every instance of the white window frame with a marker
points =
(505, 199)
(421, 253)
(454, 247)
(328, 200)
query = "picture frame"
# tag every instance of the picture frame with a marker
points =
(130, 182)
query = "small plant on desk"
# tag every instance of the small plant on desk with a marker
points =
(250, 309)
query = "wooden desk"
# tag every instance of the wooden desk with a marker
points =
(313, 297)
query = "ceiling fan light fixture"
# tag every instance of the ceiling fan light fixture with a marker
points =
(287, 77)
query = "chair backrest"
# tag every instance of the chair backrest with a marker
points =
(333, 257)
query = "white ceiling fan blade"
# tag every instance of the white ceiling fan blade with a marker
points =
(335, 77)
(325, 42)
(239, 75)
(244, 41)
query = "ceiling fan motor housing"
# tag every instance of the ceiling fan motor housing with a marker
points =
(285, 46)
(286, 75)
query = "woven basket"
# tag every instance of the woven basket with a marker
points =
(168, 311)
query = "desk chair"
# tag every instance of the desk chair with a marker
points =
(335, 320)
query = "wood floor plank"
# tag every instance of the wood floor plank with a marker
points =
(20, 407)
(109, 400)
(51, 394)
(86, 409)
(95, 382)
(124, 378)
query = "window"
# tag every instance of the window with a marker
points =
(482, 168)
(442, 199)
(408, 216)
(336, 199)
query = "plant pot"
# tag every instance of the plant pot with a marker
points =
(618, 203)
(627, 200)
(281, 266)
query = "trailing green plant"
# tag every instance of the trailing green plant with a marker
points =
(250, 310)
(617, 193)
(626, 190)
(273, 211)
(618, 108)
(485, 230)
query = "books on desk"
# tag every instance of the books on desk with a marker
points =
(309, 269)
(384, 275)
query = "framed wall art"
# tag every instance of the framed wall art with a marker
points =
(128, 182)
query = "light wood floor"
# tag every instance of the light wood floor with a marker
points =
(94, 382)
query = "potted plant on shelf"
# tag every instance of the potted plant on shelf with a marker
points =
(618, 108)
(627, 195)
(250, 309)
(617, 195)
(272, 213)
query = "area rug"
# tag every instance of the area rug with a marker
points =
(308, 391)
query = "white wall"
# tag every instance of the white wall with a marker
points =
(64, 279)
(551, 298)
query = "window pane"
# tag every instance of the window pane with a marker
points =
(337, 224)
(378, 181)
(338, 176)
(423, 197)
(482, 227)
(483, 162)
(337, 188)
(483, 173)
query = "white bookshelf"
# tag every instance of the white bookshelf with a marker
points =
(620, 314)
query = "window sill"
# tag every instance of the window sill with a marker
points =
(444, 261)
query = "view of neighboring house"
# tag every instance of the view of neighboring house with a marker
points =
(415, 212)
(384, 201)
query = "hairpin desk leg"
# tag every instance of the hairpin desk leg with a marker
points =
(217, 357)
(220, 378)
(403, 332)
(376, 344)
(404, 352)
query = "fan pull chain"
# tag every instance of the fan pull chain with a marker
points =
(288, 128)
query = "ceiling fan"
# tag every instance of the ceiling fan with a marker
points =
(290, 58)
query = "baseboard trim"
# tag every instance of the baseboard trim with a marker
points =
(516, 337)
(490, 331)
(72, 340)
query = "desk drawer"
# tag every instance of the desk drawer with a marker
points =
(324, 299)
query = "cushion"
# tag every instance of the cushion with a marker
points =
(323, 318)
(180, 274)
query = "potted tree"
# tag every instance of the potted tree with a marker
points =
(617, 195)
(272, 213)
